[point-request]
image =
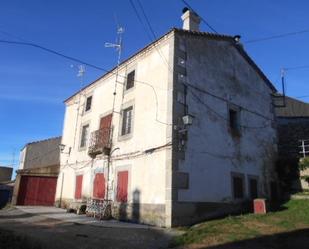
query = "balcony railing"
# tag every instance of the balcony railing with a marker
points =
(100, 142)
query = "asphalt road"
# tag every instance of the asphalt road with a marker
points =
(53, 228)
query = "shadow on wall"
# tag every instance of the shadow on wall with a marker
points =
(131, 211)
(136, 206)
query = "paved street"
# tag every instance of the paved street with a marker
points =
(55, 228)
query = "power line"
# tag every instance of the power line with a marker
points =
(53, 52)
(187, 84)
(150, 28)
(147, 19)
(295, 68)
(221, 116)
(105, 70)
(276, 36)
(89, 65)
(302, 97)
(209, 26)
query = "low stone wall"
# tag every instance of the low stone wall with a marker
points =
(151, 214)
(189, 213)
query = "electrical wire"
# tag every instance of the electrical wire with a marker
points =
(154, 37)
(276, 36)
(89, 65)
(208, 25)
(187, 84)
(225, 100)
(141, 82)
(221, 116)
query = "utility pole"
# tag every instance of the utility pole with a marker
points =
(118, 47)
(283, 85)
(80, 75)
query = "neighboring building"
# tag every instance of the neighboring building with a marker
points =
(6, 191)
(188, 134)
(293, 127)
(5, 173)
(36, 177)
(6, 185)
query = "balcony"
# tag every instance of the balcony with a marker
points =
(100, 142)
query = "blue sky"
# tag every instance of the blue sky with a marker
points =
(33, 83)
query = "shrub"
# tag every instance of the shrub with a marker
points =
(303, 163)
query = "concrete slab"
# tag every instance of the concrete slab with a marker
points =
(61, 214)
(53, 228)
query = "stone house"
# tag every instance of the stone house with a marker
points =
(293, 127)
(181, 131)
(37, 174)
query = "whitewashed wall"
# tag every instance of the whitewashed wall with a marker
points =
(211, 152)
(147, 172)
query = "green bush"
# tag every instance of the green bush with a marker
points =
(303, 163)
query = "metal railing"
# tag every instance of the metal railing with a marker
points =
(100, 140)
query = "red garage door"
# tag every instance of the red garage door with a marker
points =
(37, 191)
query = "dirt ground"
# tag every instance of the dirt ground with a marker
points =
(62, 233)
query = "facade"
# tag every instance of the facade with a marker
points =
(293, 127)
(177, 137)
(36, 177)
(5, 173)
(6, 185)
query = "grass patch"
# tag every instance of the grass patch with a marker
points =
(9, 240)
(294, 215)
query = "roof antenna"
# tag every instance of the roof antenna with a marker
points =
(80, 74)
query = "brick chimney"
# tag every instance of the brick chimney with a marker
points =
(191, 21)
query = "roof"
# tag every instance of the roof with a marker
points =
(41, 141)
(208, 35)
(294, 109)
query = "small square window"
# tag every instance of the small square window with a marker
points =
(127, 121)
(238, 187)
(88, 103)
(84, 136)
(130, 80)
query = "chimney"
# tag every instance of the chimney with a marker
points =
(191, 21)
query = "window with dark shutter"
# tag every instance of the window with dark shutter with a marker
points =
(78, 186)
(238, 187)
(99, 186)
(127, 121)
(130, 80)
(88, 104)
(234, 121)
(122, 186)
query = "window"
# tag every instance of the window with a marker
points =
(88, 103)
(126, 121)
(84, 136)
(130, 80)
(234, 120)
(253, 188)
(238, 186)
